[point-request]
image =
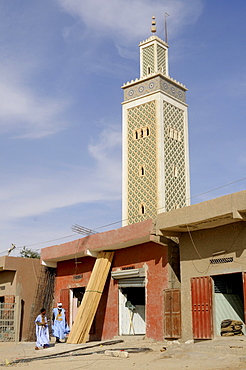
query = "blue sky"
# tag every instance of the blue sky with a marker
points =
(62, 63)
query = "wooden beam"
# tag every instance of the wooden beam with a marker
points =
(87, 310)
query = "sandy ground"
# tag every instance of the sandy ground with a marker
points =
(223, 353)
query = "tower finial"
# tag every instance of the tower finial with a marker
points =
(153, 28)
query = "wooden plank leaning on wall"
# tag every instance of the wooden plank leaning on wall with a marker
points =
(87, 310)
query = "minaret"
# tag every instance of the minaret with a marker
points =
(155, 138)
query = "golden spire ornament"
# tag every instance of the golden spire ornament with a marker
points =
(153, 28)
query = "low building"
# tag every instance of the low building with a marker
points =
(184, 273)
(212, 241)
(140, 274)
(18, 283)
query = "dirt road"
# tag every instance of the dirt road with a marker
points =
(138, 354)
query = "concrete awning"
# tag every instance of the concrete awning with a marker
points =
(124, 237)
(209, 214)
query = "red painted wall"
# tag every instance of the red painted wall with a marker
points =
(151, 255)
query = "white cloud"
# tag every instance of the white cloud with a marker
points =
(129, 20)
(108, 141)
(22, 109)
(31, 194)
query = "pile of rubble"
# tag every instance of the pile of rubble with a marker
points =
(231, 327)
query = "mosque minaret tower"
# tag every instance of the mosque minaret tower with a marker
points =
(155, 138)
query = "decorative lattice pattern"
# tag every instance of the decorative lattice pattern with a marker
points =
(154, 84)
(148, 59)
(161, 59)
(142, 190)
(175, 164)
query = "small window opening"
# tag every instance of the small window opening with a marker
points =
(142, 171)
(175, 171)
(142, 209)
(174, 134)
(170, 132)
(148, 70)
(141, 133)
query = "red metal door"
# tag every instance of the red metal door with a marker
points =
(65, 299)
(201, 296)
(172, 313)
(244, 294)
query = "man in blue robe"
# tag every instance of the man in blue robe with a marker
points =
(42, 330)
(59, 328)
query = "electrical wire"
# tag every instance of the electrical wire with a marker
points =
(210, 191)
(47, 241)
(192, 242)
(199, 255)
(64, 237)
(114, 223)
(219, 187)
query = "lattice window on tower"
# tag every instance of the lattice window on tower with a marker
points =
(174, 134)
(141, 132)
(141, 162)
(175, 175)
(148, 60)
(161, 59)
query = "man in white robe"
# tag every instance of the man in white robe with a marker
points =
(60, 327)
(42, 330)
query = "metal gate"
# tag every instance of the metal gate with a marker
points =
(201, 295)
(7, 322)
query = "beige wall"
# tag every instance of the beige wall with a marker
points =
(7, 283)
(19, 276)
(196, 251)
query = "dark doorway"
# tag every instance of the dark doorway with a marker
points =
(135, 295)
(228, 299)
